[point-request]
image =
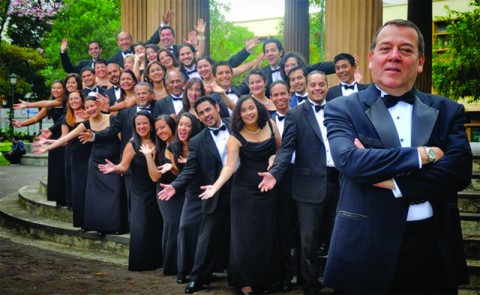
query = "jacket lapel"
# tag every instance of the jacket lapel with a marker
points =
(210, 144)
(382, 121)
(311, 119)
(423, 120)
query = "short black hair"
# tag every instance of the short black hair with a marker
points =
(94, 41)
(344, 56)
(167, 28)
(202, 99)
(295, 68)
(87, 69)
(276, 41)
(221, 63)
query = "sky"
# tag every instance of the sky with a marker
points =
(254, 9)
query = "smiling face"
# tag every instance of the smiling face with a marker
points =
(297, 81)
(163, 131)
(165, 59)
(88, 78)
(151, 54)
(273, 54)
(223, 76)
(126, 81)
(194, 92)
(186, 57)
(139, 49)
(290, 63)
(256, 84)
(184, 128)
(124, 41)
(101, 70)
(57, 90)
(91, 108)
(249, 112)
(209, 114)
(204, 69)
(75, 101)
(280, 96)
(71, 84)
(317, 87)
(142, 126)
(142, 96)
(94, 50)
(156, 73)
(167, 38)
(395, 60)
(345, 71)
(113, 73)
(175, 83)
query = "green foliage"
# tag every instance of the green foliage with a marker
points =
(21, 26)
(26, 64)
(456, 72)
(81, 21)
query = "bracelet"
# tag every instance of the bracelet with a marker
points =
(201, 38)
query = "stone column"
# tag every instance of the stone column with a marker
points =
(420, 12)
(142, 17)
(349, 27)
(297, 31)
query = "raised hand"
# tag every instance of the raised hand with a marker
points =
(251, 43)
(146, 150)
(192, 38)
(208, 193)
(166, 193)
(200, 27)
(268, 182)
(64, 45)
(167, 16)
(86, 136)
(109, 167)
(82, 114)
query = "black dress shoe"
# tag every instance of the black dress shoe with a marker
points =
(285, 286)
(181, 279)
(193, 287)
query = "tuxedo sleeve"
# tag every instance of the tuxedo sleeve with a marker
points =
(155, 38)
(284, 154)
(327, 67)
(189, 170)
(238, 58)
(108, 133)
(67, 64)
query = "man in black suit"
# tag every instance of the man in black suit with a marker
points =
(315, 179)
(91, 88)
(345, 68)
(297, 77)
(167, 37)
(94, 50)
(113, 73)
(207, 153)
(403, 156)
(172, 104)
(223, 73)
(124, 42)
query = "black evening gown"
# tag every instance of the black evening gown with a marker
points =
(145, 219)
(79, 157)
(253, 214)
(56, 190)
(105, 200)
(171, 212)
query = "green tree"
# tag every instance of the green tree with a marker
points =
(81, 21)
(456, 72)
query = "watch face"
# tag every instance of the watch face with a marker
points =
(431, 155)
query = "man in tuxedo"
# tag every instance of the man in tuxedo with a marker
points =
(207, 153)
(273, 51)
(172, 104)
(223, 73)
(315, 179)
(345, 68)
(297, 77)
(113, 73)
(94, 50)
(89, 81)
(403, 156)
(124, 42)
(167, 37)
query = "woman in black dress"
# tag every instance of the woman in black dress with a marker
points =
(105, 201)
(145, 221)
(254, 140)
(56, 158)
(171, 210)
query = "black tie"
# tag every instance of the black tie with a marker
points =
(127, 52)
(115, 87)
(300, 99)
(192, 71)
(229, 92)
(318, 108)
(391, 100)
(349, 86)
(176, 98)
(145, 108)
(216, 131)
(280, 118)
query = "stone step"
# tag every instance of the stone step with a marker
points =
(13, 215)
(474, 273)
(469, 201)
(470, 223)
(472, 246)
(31, 198)
(30, 159)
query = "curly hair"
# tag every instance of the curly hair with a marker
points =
(236, 122)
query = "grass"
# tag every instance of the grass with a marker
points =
(4, 147)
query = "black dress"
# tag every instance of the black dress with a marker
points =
(253, 214)
(171, 212)
(56, 162)
(145, 219)
(105, 200)
(79, 156)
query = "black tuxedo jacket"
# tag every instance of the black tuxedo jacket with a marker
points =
(68, 67)
(336, 91)
(302, 134)
(117, 57)
(111, 95)
(370, 222)
(165, 106)
(203, 162)
(97, 89)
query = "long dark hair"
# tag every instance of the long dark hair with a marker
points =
(137, 140)
(300, 62)
(236, 122)
(188, 85)
(160, 144)
(176, 63)
(64, 99)
(147, 70)
(135, 81)
(78, 79)
(176, 147)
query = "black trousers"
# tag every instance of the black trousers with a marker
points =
(13, 158)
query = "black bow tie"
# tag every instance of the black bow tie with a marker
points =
(176, 98)
(144, 108)
(192, 71)
(349, 86)
(300, 99)
(115, 87)
(274, 71)
(391, 100)
(280, 117)
(127, 52)
(216, 131)
(229, 92)
(318, 108)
